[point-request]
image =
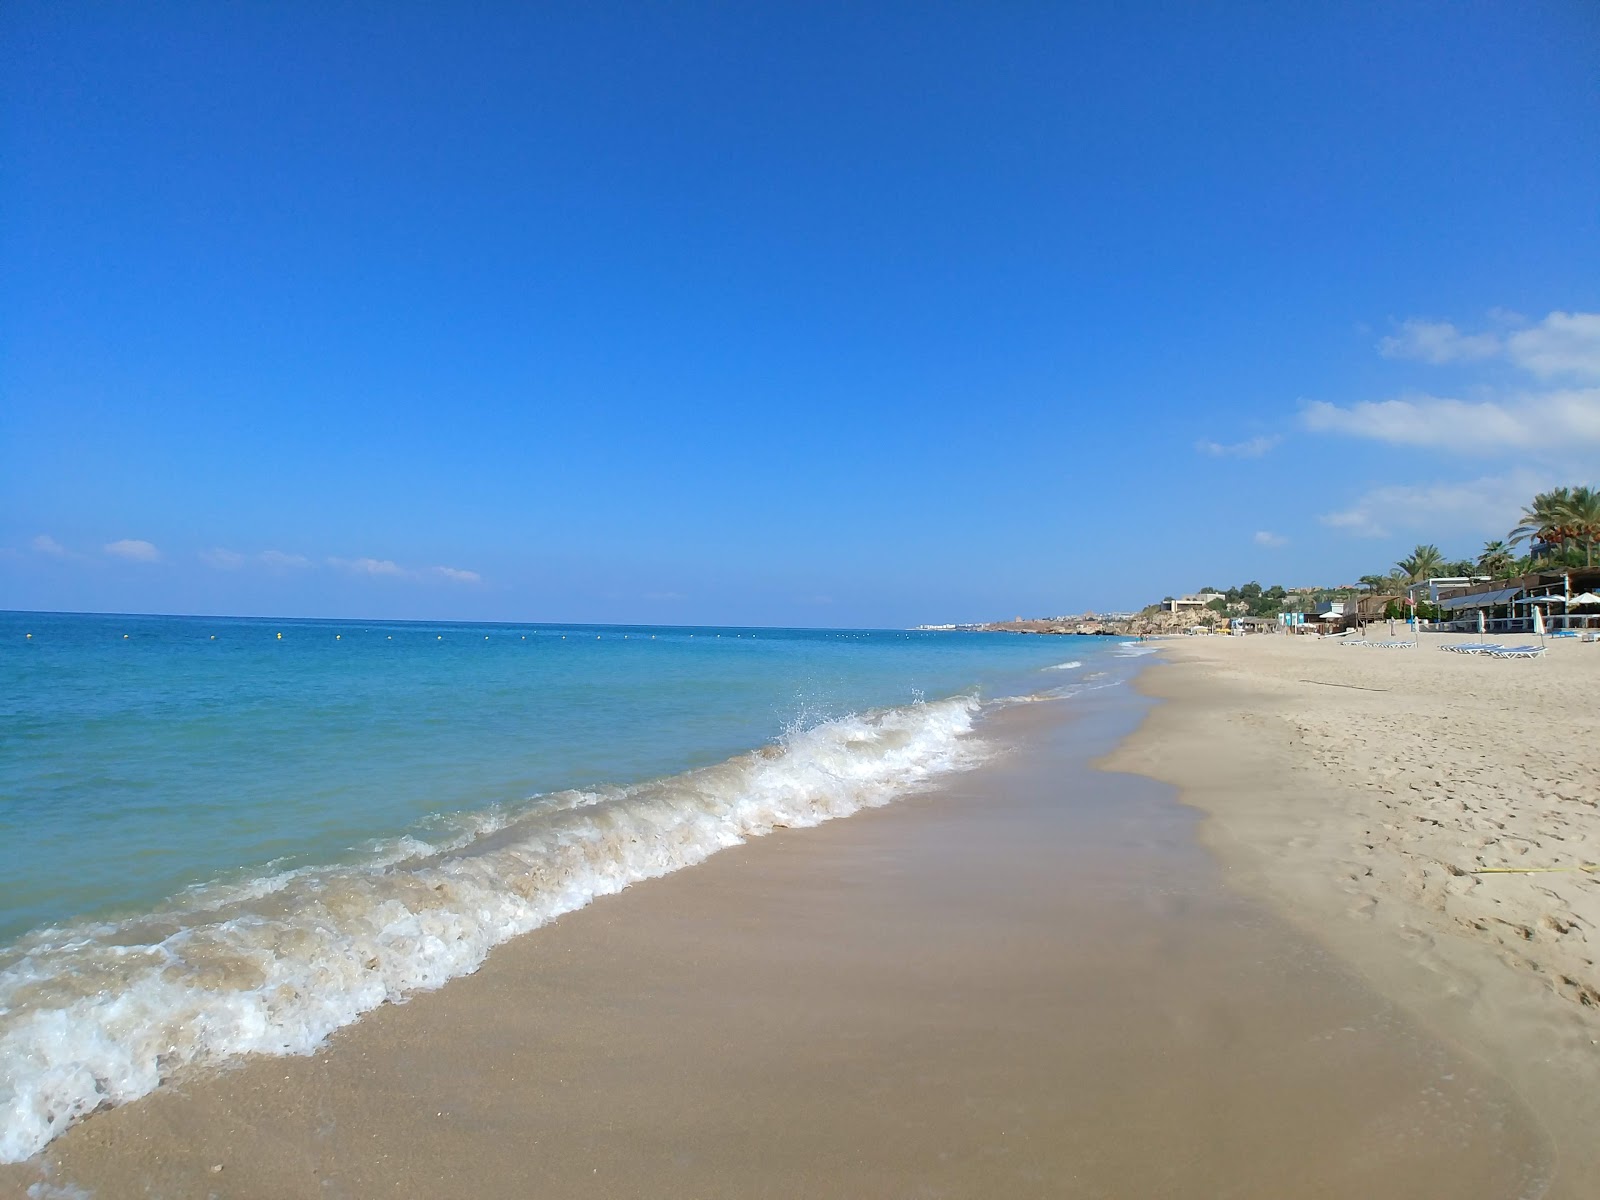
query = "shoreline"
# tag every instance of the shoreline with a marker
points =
(1029, 980)
(1357, 792)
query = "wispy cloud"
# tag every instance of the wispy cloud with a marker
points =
(1438, 342)
(47, 545)
(222, 560)
(383, 568)
(279, 561)
(1564, 343)
(369, 566)
(1252, 448)
(1487, 506)
(1269, 539)
(1548, 424)
(133, 550)
(1562, 419)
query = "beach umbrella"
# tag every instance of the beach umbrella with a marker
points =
(1584, 598)
(1481, 627)
(1538, 622)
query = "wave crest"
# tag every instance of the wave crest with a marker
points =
(99, 1014)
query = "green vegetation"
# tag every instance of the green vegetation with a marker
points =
(1563, 525)
(1560, 528)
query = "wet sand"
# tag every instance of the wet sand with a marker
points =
(1032, 982)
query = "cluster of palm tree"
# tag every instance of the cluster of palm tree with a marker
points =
(1424, 562)
(1561, 528)
(1561, 519)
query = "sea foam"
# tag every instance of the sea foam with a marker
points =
(96, 1014)
(1135, 649)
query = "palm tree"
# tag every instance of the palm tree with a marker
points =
(1544, 520)
(1373, 583)
(1583, 520)
(1422, 562)
(1495, 560)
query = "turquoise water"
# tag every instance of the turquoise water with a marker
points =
(224, 836)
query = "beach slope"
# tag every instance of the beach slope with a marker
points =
(1377, 798)
(1030, 982)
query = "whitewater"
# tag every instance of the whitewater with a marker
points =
(266, 952)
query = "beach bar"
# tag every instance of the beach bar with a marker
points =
(1507, 605)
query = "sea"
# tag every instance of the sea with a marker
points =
(231, 836)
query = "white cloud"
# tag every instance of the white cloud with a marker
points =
(278, 560)
(1564, 343)
(1561, 344)
(1271, 540)
(385, 568)
(45, 544)
(1253, 448)
(1554, 420)
(1488, 506)
(1541, 426)
(134, 550)
(368, 566)
(222, 560)
(1438, 342)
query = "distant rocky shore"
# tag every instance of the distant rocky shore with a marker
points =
(1088, 625)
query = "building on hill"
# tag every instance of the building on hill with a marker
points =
(1191, 603)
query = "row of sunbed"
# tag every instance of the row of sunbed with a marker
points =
(1380, 645)
(1494, 649)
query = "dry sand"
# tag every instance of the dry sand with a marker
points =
(1360, 789)
(1031, 983)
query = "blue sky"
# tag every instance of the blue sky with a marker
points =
(811, 314)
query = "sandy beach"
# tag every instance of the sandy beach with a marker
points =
(1032, 982)
(1360, 791)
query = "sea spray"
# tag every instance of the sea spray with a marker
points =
(93, 1014)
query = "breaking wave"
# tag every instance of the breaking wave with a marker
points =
(96, 1014)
